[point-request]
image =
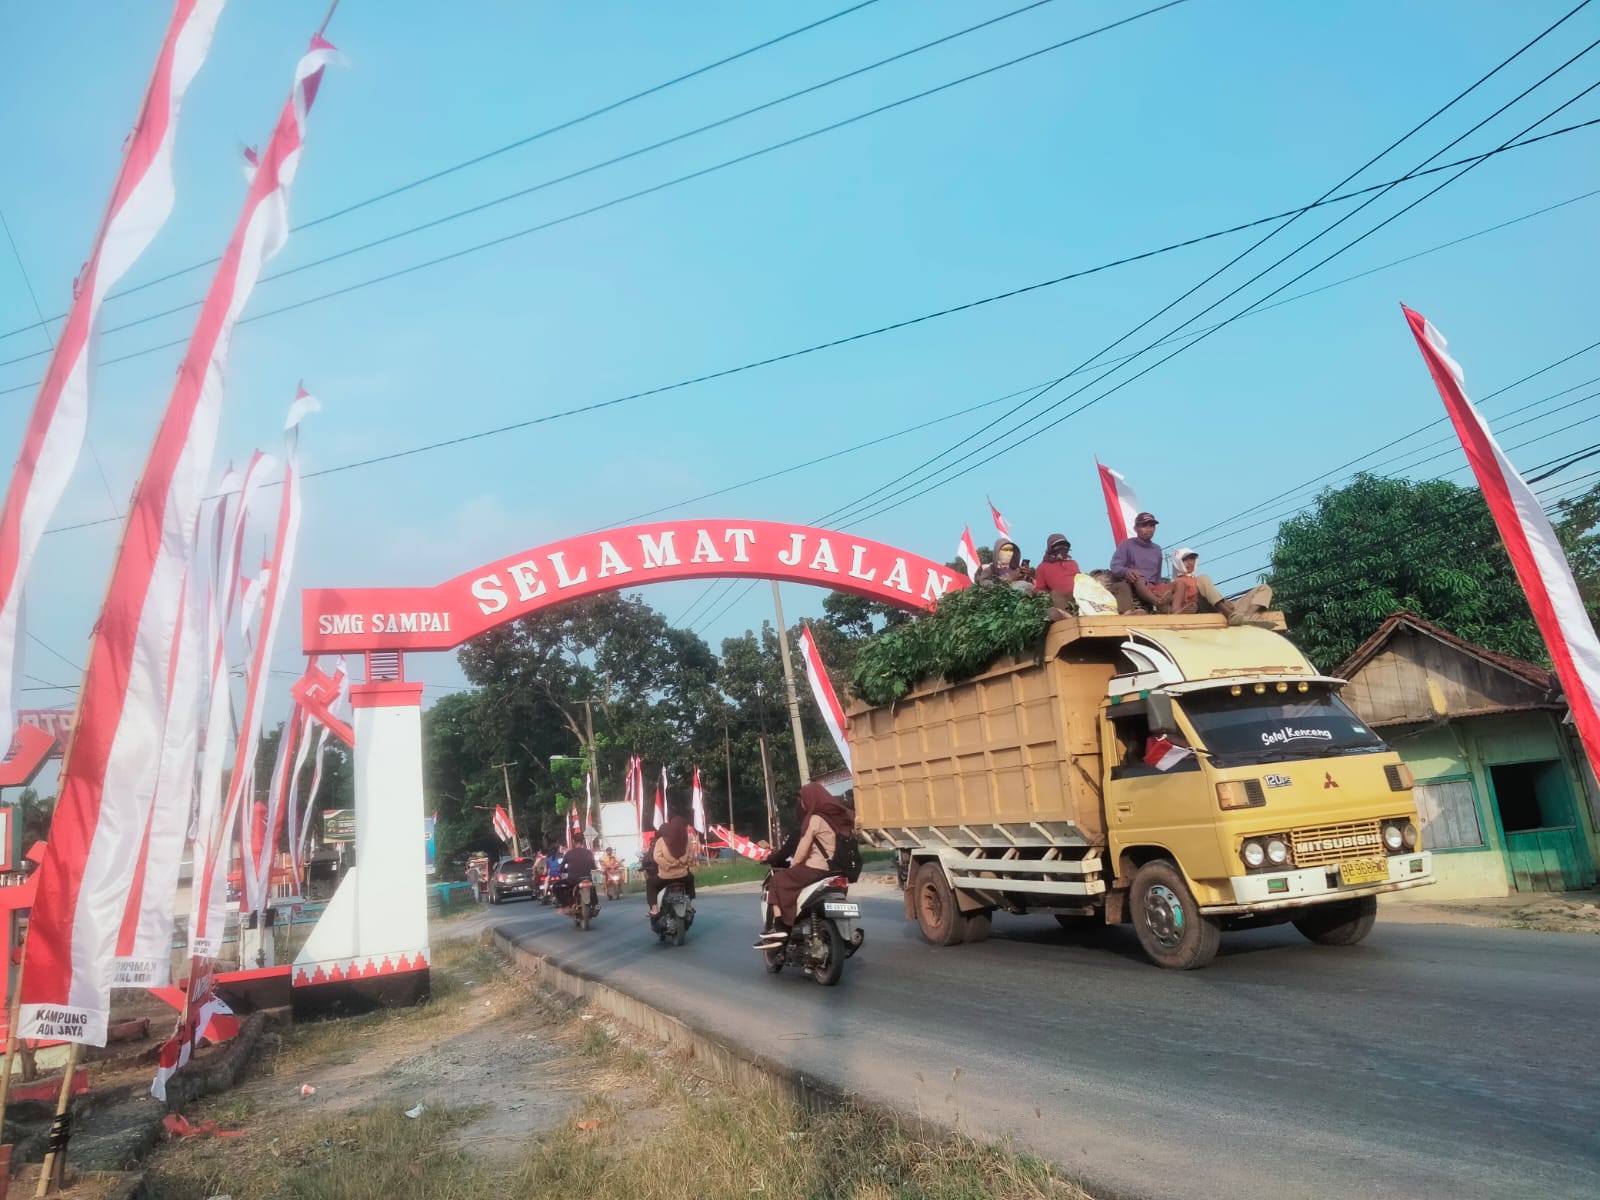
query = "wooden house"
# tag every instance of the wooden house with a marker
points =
(1503, 789)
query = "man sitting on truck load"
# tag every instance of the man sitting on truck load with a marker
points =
(1057, 574)
(1192, 592)
(1136, 569)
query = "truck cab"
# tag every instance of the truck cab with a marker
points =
(1240, 790)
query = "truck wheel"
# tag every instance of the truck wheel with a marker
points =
(1171, 929)
(1343, 923)
(978, 925)
(940, 919)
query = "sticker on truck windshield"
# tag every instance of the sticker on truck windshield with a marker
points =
(1290, 733)
(1278, 781)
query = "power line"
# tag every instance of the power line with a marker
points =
(642, 192)
(968, 453)
(972, 463)
(496, 152)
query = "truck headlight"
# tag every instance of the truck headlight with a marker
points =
(1253, 854)
(1277, 852)
(1393, 838)
(1408, 835)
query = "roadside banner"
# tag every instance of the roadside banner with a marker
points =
(109, 774)
(502, 825)
(141, 200)
(1530, 540)
(1122, 506)
(822, 691)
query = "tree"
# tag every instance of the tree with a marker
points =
(1379, 545)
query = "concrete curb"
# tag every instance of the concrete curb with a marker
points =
(725, 1060)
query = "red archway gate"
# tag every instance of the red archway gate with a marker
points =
(353, 620)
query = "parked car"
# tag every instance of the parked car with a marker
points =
(511, 877)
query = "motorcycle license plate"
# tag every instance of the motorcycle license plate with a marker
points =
(836, 908)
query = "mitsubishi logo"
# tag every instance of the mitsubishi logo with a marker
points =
(1328, 781)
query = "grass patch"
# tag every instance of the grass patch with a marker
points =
(374, 1155)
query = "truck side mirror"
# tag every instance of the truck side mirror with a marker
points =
(1161, 712)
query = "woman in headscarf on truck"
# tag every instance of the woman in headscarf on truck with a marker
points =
(1005, 565)
(823, 821)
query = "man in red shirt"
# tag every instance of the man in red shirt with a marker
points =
(1056, 574)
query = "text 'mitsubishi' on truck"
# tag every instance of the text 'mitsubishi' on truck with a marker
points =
(1170, 771)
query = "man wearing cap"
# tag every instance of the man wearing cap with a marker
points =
(1136, 568)
(1057, 573)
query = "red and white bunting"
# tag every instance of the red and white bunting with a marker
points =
(967, 552)
(213, 825)
(144, 942)
(257, 870)
(1000, 525)
(822, 690)
(141, 201)
(697, 803)
(110, 769)
(1530, 540)
(741, 845)
(502, 825)
(1122, 506)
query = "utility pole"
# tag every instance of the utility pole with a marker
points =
(727, 760)
(788, 688)
(766, 777)
(516, 839)
(594, 751)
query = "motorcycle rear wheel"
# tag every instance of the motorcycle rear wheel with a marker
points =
(829, 972)
(773, 960)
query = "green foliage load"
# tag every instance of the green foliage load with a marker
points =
(963, 636)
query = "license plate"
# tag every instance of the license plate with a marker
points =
(834, 909)
(1364, 870)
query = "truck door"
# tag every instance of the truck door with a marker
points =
(1154, 804)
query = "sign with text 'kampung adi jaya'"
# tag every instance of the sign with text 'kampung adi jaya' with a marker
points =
(341, 620)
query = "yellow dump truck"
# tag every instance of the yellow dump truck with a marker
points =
(1170, 771)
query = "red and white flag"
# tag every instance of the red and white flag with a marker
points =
(503, 829)
(109, 775)
(339, 707)
(1122, 506)
(1163, 754)
(661, 798)
(822, 691)
(141, 201)
(1530, 540)
(967, 552)
(741, 845)
(1000, 522)
(633, 792)
(697, 803)
(588, 799)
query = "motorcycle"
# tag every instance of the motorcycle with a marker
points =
(824, 935)
(674, 914)
(614, 883)
(585, 904)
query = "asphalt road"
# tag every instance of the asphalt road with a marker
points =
(1429, 1061)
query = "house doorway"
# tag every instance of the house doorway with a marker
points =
(1544, 843)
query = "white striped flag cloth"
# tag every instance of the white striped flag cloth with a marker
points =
(258, 868)
(822, 691)
(697, 803)
(1000, 522)
(502, 825)
(1530, 540)
(741, 845)
(967, 552)
(109, 775)
(141, 201)
(588, 799)
(1122, 506)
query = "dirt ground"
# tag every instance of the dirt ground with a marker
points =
(1549, 912)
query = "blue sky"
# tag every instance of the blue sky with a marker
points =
(1187, 121)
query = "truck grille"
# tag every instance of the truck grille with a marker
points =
(1320, 844)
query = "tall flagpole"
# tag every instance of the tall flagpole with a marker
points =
(788, 690)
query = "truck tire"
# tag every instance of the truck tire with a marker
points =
(938, 916)
(978, 925)
(1171, 929)
(1343, 923)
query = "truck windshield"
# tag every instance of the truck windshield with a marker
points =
(1276, 727)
